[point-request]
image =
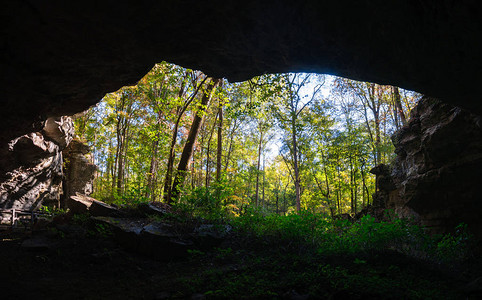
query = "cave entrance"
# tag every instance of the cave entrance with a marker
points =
(281, 142)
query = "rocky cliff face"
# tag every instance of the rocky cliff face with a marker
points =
(79, 171)
(437, 176)
(34, 164)
(45, 167)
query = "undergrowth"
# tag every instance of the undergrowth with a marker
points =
(329, 236)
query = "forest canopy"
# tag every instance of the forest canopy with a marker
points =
(278, 142)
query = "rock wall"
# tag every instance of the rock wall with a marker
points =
(33, 166)
(437, 175)
(79, 171)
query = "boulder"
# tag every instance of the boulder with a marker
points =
(126, 231)
(156, 240)
(209, 236)
(159, 209)
(80, 204)
(38, 243)
(161, 240)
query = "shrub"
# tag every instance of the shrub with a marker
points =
(367, 234)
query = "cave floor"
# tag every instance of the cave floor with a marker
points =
(61, 266)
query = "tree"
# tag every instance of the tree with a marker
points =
(180, 109)
(191, 139)
(288, 110)
(326, 146)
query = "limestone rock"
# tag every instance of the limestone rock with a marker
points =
(37, 243)
(79, 171)
(126, 231)
(81, 204)
(59, 130)
(157, 240)
(32, 172)
(209, 236)
(438, 169)
(162, 240)
(159, 209)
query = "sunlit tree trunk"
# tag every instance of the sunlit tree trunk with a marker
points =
(219, 151)
(220, 144)
(191, 139)
(230, 148)
(123, 112)
(170, 159)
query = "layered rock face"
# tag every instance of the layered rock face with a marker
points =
(79, 171)
(437, 176)
(34, 164)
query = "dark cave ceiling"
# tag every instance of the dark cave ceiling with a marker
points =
(60, 57)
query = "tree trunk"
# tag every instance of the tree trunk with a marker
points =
(355, 188)
(296, 168)
(208, 154)
(170, 158)
(230, 148)
(264, 182)
(352, 195)
(170, 162)
(375, 108)
(325, 170)
(398, 104)
(151, 177)
(191, 139)
(220, 143)
(338, 192)
(260, 143)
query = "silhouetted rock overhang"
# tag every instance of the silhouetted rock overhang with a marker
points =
(60, 57)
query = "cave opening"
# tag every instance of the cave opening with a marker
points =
(154, 118)
(60, 58)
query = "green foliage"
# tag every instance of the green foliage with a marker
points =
(455, 247)
(133, 196)
(266, 120)
(365, 235)
(209, 203)
(100, 231)
(53, 211)
(81, 219)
